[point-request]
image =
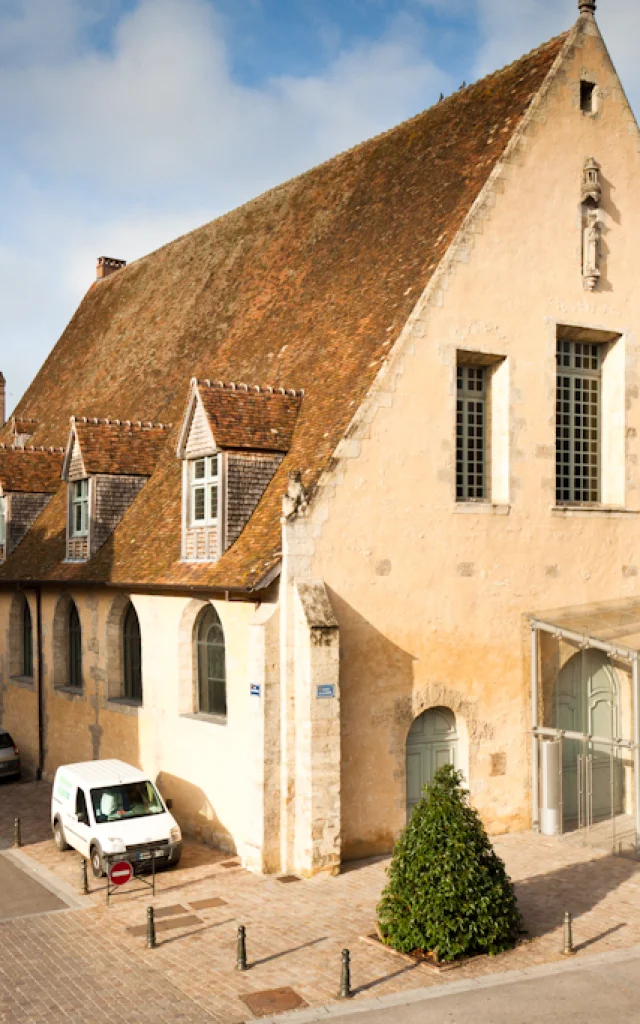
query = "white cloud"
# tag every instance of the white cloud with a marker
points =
(115, 152)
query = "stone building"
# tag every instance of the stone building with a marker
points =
(351, 487)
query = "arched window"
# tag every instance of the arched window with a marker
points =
(27, 640)
(212, 676)
(132, 655)
(74, 641)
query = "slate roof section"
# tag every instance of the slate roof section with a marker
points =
(30, 470)
(306, 287)
(250, 418)
(115, 448)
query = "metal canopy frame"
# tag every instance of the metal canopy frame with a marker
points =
(582, 641)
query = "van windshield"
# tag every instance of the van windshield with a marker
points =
(132, 800)
(5, 740)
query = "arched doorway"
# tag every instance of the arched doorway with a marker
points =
(587, 701)
(432, 741)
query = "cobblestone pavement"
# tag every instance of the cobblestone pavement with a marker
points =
(85, 965)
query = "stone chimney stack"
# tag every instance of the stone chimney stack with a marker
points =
(3, 400)
(107, 266)
(587, 6)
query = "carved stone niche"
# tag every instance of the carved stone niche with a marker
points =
(591, 224)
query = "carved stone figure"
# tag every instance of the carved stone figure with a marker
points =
(591, 251)
(296, 499)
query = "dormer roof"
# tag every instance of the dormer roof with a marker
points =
(241, 416)
(30, 470)
(115, 447)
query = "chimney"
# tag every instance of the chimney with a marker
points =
(107, 265)
(3, 404)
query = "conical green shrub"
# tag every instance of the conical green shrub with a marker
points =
(448, 891)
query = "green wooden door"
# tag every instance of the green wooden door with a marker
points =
(431, 743)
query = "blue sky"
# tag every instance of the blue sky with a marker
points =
(128, 122)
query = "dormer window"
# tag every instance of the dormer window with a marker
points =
(204, 491)
(233, 439)
(28, 479)
(80, 508)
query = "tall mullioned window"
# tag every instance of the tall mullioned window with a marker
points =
(578, 400)
(132, 655)
(79, 508)
(27, 639)
(471, 433)
(212, 672)
(204, 491)
(74, 648)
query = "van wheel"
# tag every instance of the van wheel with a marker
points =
(58, 836)
(97, 865)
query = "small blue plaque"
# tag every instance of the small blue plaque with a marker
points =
(255, 689)
(326, 690)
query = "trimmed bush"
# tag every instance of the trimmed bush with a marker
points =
(448, 891)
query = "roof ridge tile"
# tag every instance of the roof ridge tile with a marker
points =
(258, 389)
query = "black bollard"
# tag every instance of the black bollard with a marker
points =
(345, 980)
(151, 929)
(568, 936)
(17, 833)
(84, 881)
(241, 956)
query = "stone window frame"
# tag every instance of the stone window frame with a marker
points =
(62, 649)
(19, 605)
(116, 698)
(209, 620)
(188, 704)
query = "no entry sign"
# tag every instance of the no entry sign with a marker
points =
(120, 872)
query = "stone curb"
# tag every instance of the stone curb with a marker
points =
(417, 995)
(63, 890)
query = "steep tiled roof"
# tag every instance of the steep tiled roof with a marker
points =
(257, 419)
(32, 470)
(119, 448)
(306, 287)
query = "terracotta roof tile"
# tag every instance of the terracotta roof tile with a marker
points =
(304, 288)
(254, 418)
(31, 470)
(119, 448)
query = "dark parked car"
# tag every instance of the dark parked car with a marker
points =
(9, 757)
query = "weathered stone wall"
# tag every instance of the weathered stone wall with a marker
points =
(432, 596)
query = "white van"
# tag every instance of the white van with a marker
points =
(107, 807)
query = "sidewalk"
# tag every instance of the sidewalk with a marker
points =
(295, 931)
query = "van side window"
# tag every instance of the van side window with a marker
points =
(81, 807)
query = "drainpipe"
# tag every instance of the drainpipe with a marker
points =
(40, 767)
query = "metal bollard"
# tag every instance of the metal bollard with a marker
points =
(241, 956)
(345, 979)
(17, 833)
(151, 929)
(568, 936)
(84, 881)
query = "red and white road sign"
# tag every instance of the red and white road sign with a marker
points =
(120, 872)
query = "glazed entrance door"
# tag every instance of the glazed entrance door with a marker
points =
(587, 702)
(431, 743)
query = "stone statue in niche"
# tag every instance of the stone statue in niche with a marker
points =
(591, 187)
(296, 499)
(591, 251)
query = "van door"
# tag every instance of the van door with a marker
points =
(77, 826)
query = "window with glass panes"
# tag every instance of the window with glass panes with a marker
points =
(79, 508)
(212, 673)
(74, 648)
(27, 639)
(3, 522)
(471, 433)
(132, 656)
(204, 491)
(578, 396)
